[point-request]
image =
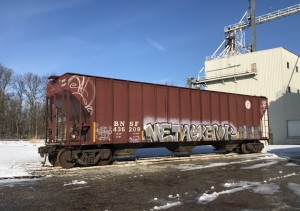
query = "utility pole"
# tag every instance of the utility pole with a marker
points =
(253, 24)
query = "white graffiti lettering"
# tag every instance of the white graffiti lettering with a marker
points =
(167, 132)
(85, 88)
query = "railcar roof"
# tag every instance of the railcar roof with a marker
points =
(70, 73)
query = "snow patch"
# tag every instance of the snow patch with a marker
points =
(291, 164)
(284, 176)
(295, 188)
(15, 156)
(76, 182)
(174, 197)
(205, 197)
(14, 182)
(261, 165)
(266, 189)
(190, 167)
(256, 187)
(167, 206)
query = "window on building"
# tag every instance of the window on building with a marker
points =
(288, 65)
(296, 69)
(293, 128)
(288, 90)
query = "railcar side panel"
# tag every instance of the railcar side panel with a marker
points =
(205, 108)
(174, 105)
(195, 107)
(87, 110)
(215, 108)
(90, 119)
(224, 108)
(135, 112)
(185, 106)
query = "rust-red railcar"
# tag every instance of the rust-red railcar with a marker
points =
(90, 119)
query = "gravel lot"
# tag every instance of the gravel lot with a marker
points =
(263, 181)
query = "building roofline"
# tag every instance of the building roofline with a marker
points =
(282, 48)
(259, 51)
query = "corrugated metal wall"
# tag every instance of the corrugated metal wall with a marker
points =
(124, 108)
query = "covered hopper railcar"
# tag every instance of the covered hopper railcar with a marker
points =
(91, 119)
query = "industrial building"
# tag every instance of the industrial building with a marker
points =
(273, 73)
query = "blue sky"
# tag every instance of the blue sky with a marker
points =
(154, 41)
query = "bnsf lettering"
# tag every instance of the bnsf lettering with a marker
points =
(133, 123)
(119, 123)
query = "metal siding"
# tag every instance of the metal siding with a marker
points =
(104, 109)
(122, 105)
(269, 81)
(215, 107)
(248, 112)
(224, 109)
(205, 107)
(149, 103)
(103, 97)
(135, 99)
(185, 108)
(135, 120)
(256, 110)
(241, 110)
(196, 108)
(174, 105)
(233, 117)
(161, 105)
(120, 109)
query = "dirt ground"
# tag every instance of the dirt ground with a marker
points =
(193, 183)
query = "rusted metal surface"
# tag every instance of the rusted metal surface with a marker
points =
(87, 110)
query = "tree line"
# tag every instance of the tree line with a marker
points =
(22, 104)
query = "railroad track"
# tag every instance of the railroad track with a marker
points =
(42, 171)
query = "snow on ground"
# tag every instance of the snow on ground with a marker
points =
(261, 165)
(295, 188)
(76, 182)
(168, 205)
(256, 187)
(16, 155)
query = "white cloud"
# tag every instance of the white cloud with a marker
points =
(156, 45)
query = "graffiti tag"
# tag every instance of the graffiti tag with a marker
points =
(168, 132)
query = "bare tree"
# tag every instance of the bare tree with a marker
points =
(32, 88)
(5, 80)
(22, 104)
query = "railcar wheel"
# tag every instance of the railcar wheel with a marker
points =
(52, 158)
(65, 160)
(244, 149)
(106, 161)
